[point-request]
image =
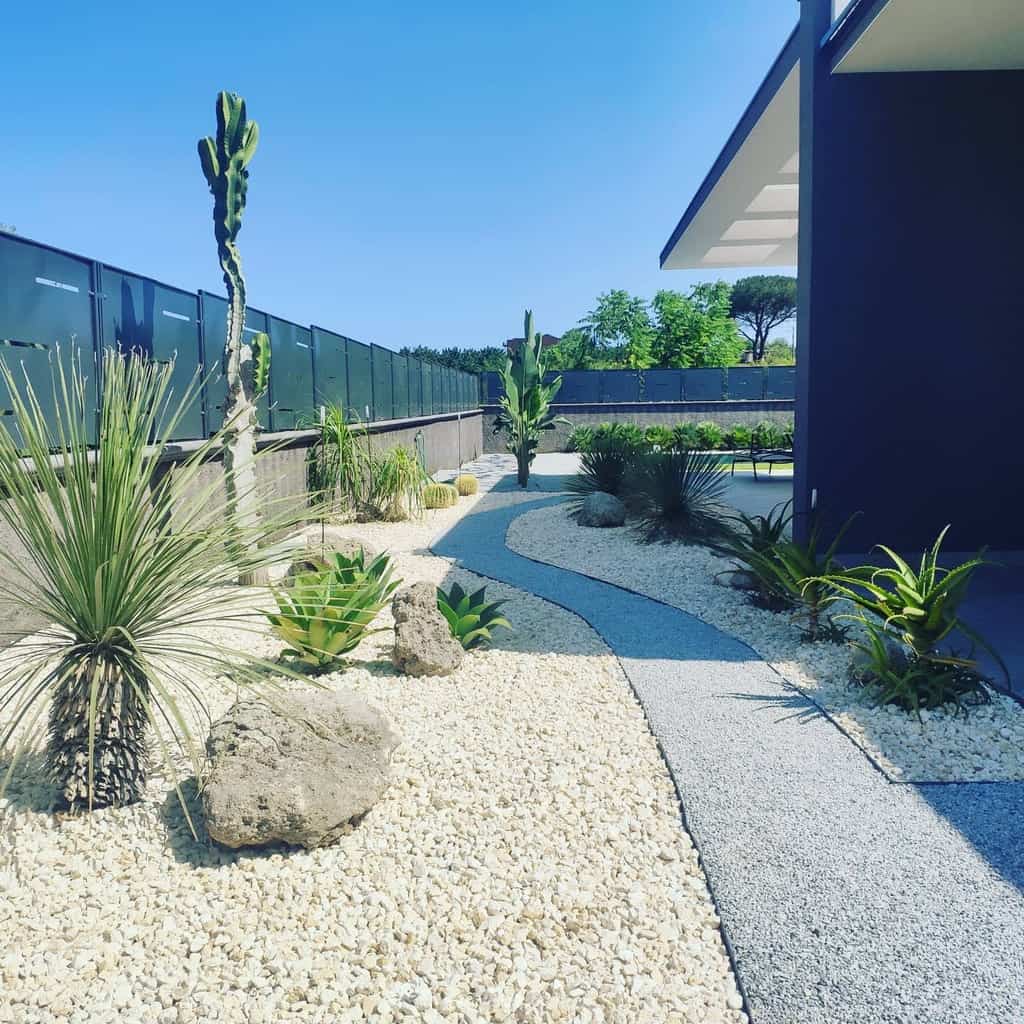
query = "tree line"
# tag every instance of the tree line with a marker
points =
(714, 324)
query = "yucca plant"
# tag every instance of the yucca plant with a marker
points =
(919, 609)
(337, 465)
(129, 560)
(470, 617)
(601, 469)
(323, 614)
(398, 478)
(678, 496)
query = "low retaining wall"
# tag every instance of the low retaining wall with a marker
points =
(448, 438)
(646, 414)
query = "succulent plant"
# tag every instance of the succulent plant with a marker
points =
(466, 484)
(469, 616)
(439, 496)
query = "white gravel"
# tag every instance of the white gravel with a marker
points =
(527, 864)
(987, 745)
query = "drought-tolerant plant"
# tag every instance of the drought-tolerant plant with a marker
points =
(709, 436)
(659, 437)
(397, 481)
(919, 611)
(603, 469)
(526, 400)
(324, 613)
(678, 495)
(466, 484)
(470, 617)
(624, 437)
(737, 437)
(685, 437)
(768, 435)
(437, 495)
(337, 464)
(225, 163)
(753, 540)
(579, 439)
(130, 560)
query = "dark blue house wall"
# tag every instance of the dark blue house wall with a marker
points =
(910, 407)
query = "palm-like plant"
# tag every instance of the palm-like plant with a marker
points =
(324, 613)
(398, 479)
(601, 469)
(129, 560)
(337, 464)
(470, 617)
(678, 495)
(526, 400)
(918, 609)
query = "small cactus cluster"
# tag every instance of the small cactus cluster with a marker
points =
(466, 484)
(439, 496)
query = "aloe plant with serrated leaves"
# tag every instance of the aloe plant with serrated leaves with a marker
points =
(470, 617)
(918, 609)
(323, 614)
(752, 539)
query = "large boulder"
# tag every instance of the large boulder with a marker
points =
(601, 509)
(424, 645)
(295, 772)
(334, 540)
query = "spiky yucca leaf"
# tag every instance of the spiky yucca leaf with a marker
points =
(131, 559)
(470, 617)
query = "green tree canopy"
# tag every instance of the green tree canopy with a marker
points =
(620, 329)
(760, 304)
(695, 330)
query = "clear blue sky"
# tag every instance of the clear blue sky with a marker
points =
(425, 170)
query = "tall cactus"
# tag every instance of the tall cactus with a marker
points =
(225, 162)
(526, 402)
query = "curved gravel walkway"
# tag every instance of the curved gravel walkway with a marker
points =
(846, 899)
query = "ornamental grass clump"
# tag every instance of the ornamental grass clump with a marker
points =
(678, 496)
(910, 617)
(130, 558)
(324, 613)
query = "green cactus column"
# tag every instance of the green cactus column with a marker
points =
(225, 162)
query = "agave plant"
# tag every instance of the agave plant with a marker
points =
(324, 613)
(130, 562)
(751, 544)
(470, 617)
(678, 495)
(526, 400)
(918, 609)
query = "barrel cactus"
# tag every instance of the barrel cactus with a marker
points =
(466, 484)
(439, 496)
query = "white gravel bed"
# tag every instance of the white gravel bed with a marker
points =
(526, 864)
(987, 745)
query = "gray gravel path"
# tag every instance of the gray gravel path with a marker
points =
(845, 899)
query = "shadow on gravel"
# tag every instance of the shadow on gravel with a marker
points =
(799, 707)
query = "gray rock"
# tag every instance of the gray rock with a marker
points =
(424, 645)
(295, 772)
(601, 509)
(335, 540)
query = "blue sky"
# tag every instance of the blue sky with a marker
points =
(425, 171)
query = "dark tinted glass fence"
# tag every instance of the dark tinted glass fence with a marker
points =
(595, 387)
(54, 303)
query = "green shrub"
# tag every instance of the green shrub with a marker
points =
(469, 616)
(709, 436)
(397, 484)
(624, 437)
(659, 437)
(751, 543)
(600, 470)
(917, 611)
(440, 495)
(685, 437)
(325, 613)
(129, 562)
(677, 495)
(767, 435)
(580, 439)
(737, 437)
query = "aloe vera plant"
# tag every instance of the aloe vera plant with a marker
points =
(324, 613)
(470, 616)
(917, 608)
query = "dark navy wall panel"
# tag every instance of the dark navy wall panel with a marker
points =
(744, 383)
(704, 385)
(383, 398)
(329, 358)
(780, 381)
(663, 385)
(911, 333)
(291, 375)
(360, 381)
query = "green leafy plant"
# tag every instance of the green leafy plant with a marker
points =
(323, 614)
(600, 470)
(709, 436)
(678, 495)
(918, 610)
(131, 562)
(397, 482)
(685, 437)
(627, 438)
(753, 541)
(440, 495)
(579, 439)
(737, 437)
(225, 163)
(767, 435)
(526, 400)
(470, 616)
(659, 437)
(338, 464)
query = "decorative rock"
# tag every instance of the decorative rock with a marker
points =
(336, 541)
(424, 645)
(296, 772)
(601, 509)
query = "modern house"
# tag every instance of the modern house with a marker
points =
(883, 156)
